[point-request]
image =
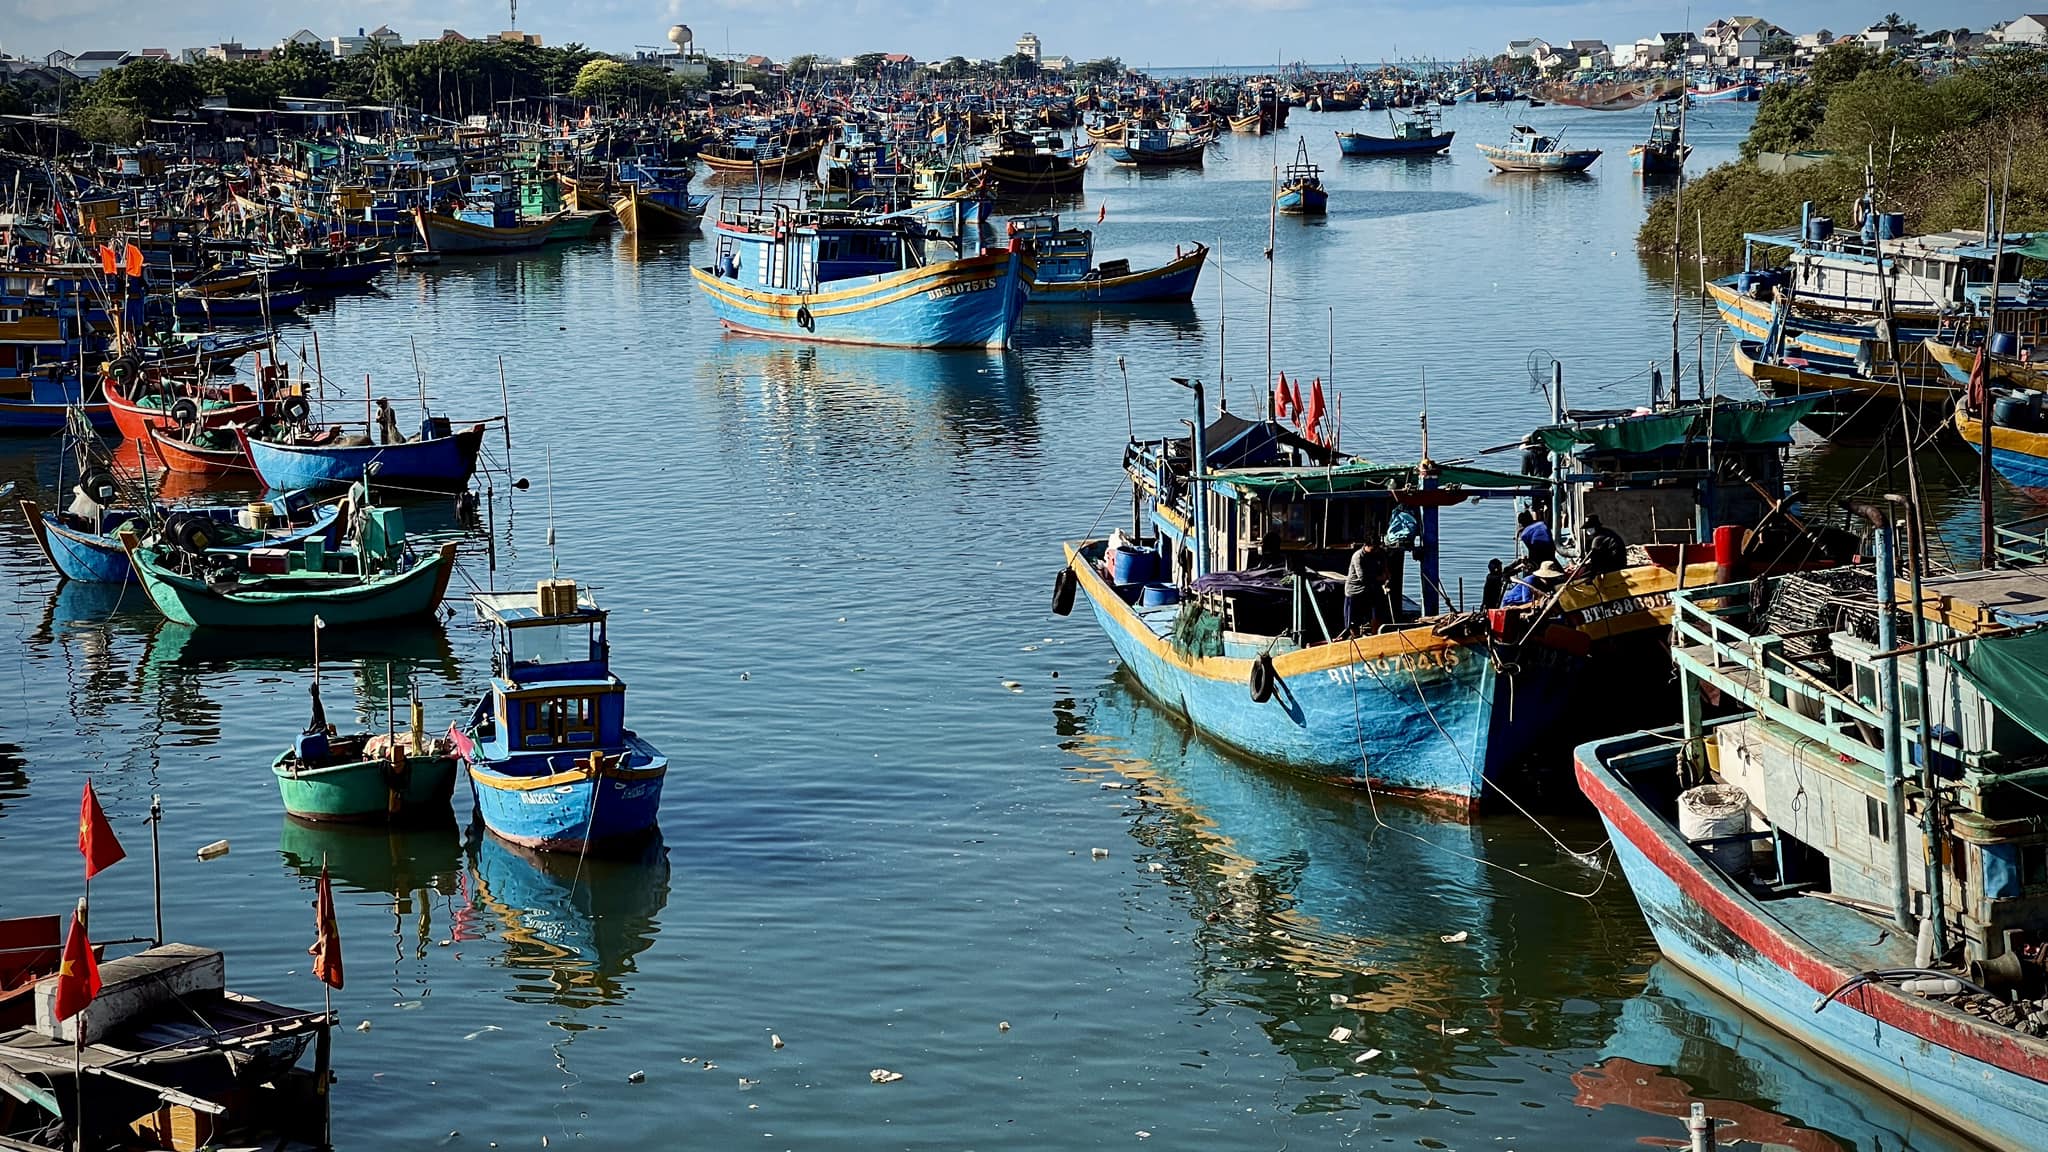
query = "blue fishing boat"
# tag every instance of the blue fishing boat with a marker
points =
(655, 200)
(1531, 151)
(486, 218)
(1665, 152)
(1301, 191)
(2018, 435)
(1149, 145)
(1064, 270)
(1777, 841)
(856, 278)
(1244, 632)
(439, 459)
(1417, 134)
(83, 543)
(551, 762)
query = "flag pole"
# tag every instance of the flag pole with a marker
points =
(78, 1038)
(156, 865)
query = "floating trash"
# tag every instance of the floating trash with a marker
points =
(884, 1076)
(1002, 1025)
(214, 851)
(774, 1041)
(1340, 1034)
(1338, 999)
(1099, 853)
(1368, 1054)
(363, 1027)
(636, 1077)
(1456, 938)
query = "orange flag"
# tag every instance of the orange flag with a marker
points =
(107, 260)
(96, 840)
(134, 261)
(1316, 410)
(326, 949)
(78, 977)
(1104, 214)
(1281, 400)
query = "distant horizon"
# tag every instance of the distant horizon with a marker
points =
(1260, 29)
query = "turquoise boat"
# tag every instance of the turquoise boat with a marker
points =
(1064, 270)
(393, 776)
(1301, 186)
(1418, 134)
(856, 278)
(374, 579)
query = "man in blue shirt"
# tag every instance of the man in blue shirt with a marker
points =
(1532, 587)
(1534, 537)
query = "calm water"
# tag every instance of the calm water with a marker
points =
(824, 565)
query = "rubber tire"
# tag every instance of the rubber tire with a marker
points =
(804, 319)
(1063, 588)
(295, 409)
(97, 485)
(1264, 680)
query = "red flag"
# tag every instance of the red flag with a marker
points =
(1980, 381)
(92, 226)
(1281, 400)
(134, 261)
(326, 949)
(96, 840)
(1294, 403)
(1314, 418)
(1103, 214)
(108, 260)
(78, 977)
(62, 222)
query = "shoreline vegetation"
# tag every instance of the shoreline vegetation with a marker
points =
(1929, 140)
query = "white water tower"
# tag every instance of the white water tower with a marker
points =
(680, 37)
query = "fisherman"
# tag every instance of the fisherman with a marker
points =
(1365, 589)
(1529, 588)
(1603, 548)
(1534, 537)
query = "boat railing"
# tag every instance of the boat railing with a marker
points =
(2023, 543)
(1754, 669)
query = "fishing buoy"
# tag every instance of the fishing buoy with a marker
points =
(1263, 679)
(1063, 586)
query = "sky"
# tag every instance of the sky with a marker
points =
(1161, 33)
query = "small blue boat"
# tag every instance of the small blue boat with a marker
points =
(1416, 135)
(1152, 146)
(1064, 269)
(1301, 190)
(856, 278)
(551, 762)
(439, 459)
(88, 548)
(1531, 151)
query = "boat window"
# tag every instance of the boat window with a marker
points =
(550, 644)
(1876, 816)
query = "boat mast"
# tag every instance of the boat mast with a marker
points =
(1677, 247)
(1994, 217)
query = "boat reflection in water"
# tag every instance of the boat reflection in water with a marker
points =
(1304, 893)
(1679, 1042)
(572, 927)
(418, 867)
(817, 394)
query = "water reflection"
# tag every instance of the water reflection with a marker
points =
(13, 775)
(409, 864)
(1069, 327)
(572, 926)
(1679, 1042)
(1322, 910)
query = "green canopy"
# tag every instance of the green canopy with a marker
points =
(1622, 434)
(1728, 421)
(2036, 247)
(2011, 672)
(1360, 476)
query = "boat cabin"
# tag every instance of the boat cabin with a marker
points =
(781, 245)
(1820, 265)
(1064, 255)
(552, 688)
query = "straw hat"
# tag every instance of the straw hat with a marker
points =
(1548, 570)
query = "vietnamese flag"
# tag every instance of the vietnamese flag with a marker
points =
(134, 261)
(78, 976)
(96, 840)
(1980, 380)
(326, 949)
(108, 260)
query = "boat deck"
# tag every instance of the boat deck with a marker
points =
(1849, 936)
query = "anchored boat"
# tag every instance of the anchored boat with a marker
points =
(1301, 191)
(551, 762)
(391, 776)
(1064, 269)
(1417, 134)
(1531, 151)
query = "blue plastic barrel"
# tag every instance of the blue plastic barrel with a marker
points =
(1158, 596)
(1820, 228)
(2005, 344)
(2012, 412)
(1891, 225)
(1133, 565)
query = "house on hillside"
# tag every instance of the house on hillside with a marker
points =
(1738, 41)
(1884, 39)
(90, 65)
(1588, 54)
(1526, 49)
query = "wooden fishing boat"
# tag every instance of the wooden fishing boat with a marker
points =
(1106, 131)
(1665, 152)
(214, 307)
(1144, 146)
(2005, 367)
(40, 402)
(1019, 168)
(853, 278)
(211, 452)
(1863, 401)
(552, 765)
(1301, 191)
(391, 777)
(440, 459)
(450, 233)
(2019, 436)
(1252, 122)
(352, 586)
(659, 209)
(88, 549)
(1531, 151)
(1418, 134)
(1774, 843)
(1064, 269)
(138, 407)
(1615, 96)
(769, 156)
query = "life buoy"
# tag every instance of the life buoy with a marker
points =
(296, 409)
(804, 319)
(1063, 586)
(184, 414)
(1264, 679)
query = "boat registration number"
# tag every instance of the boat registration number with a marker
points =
(1402, 664)
(960, 289)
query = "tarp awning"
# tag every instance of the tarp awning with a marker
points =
(1728, 421)
(2010, 671)
(1361, 476)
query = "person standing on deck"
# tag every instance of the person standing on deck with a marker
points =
(1534, 537)
(1365, 589)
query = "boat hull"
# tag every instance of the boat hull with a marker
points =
(1361, 144)
(94, 559)
(367, 791)
(970, 303)
(19, 417)
(1510, 160)
(1986, 1085)
(443, 233)
(2018, 455)
(1167, 284)
(1404, 711)
(443, 464)
(572, 810)
(646, 215)
(188, 601)
(1873, 404)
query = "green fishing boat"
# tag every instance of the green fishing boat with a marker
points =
(394, 776)
(375, 578)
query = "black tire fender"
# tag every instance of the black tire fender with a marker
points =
(184, 414)
(1264, 680)
(1063, 587)
(295, 409)
(804, 319)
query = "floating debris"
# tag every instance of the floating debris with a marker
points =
(1338, 999)
(884, 1076)
(214, 851)
(1340, 1034)
(1099, 853)
(363, 1027)
(1368, 1054)
(774, 1041)
(482, 1030)
(1155, 866)
(1013, 685)
(1456, 937)
(1002, 1025)
(636, 1077)
(746, 1083)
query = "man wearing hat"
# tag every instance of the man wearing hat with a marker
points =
(1531, 587)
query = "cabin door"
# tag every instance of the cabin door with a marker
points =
(806, 274)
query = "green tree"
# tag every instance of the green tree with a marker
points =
(1107, 69)
(599, 78)
(800, 67)
(869, 63)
